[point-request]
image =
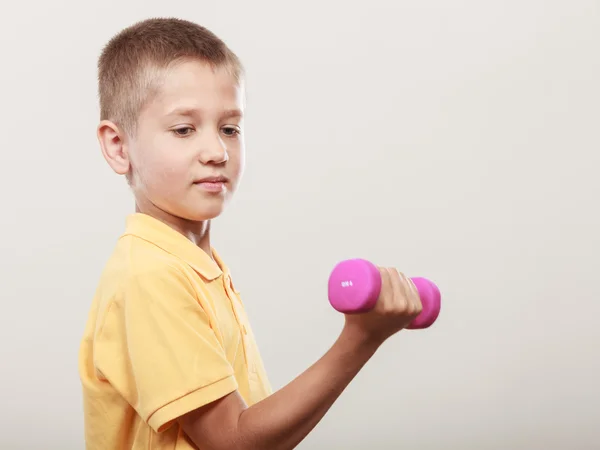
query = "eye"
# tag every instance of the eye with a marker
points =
(182, 131)
(231, 131)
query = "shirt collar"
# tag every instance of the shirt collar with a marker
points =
(162, 235)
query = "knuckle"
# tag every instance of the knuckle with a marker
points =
(385, 274)
(401, 307)
(418, 309)
(391, 307)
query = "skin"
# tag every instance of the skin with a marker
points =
(169, 153)
(190, 130)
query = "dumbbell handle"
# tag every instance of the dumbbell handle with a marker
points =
(354, 286)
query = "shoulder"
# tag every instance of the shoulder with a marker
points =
(139, 255)
(139, 272)
(137, 260)
(143, 287)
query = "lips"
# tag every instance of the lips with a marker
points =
(212, 179)
(213, 184)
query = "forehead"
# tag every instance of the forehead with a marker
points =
(197, 85)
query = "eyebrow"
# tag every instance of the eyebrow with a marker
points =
(193, 112)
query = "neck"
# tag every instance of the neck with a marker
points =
(196, 231)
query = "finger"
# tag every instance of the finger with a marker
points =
(385, 286)
(400, 297)
(415, 295)
(417, 298)
(412, 294)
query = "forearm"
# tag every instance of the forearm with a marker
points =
(283, 420)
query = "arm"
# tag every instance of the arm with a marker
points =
(284, 419)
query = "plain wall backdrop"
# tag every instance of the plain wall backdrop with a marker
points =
(454, 140)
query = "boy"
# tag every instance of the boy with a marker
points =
(168, 359)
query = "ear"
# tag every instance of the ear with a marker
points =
(113, 145)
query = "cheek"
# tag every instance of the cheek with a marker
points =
(162, 174)
(237, 163)
(167, 176)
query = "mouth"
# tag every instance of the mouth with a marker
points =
(212, 184)
(215, 179)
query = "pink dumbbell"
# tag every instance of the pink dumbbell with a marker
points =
(354, 286)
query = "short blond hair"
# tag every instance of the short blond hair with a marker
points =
(131, 63)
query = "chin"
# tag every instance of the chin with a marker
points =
(198, 210)
(202, 214)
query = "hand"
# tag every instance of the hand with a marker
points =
(397, 306)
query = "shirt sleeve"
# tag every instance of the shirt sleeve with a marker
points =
(158, 349)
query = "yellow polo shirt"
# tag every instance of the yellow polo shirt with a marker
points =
(166, 334)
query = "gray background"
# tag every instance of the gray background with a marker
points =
(454, 140)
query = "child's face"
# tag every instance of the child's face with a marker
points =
(191, 130)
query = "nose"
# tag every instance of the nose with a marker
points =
(213, 150)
